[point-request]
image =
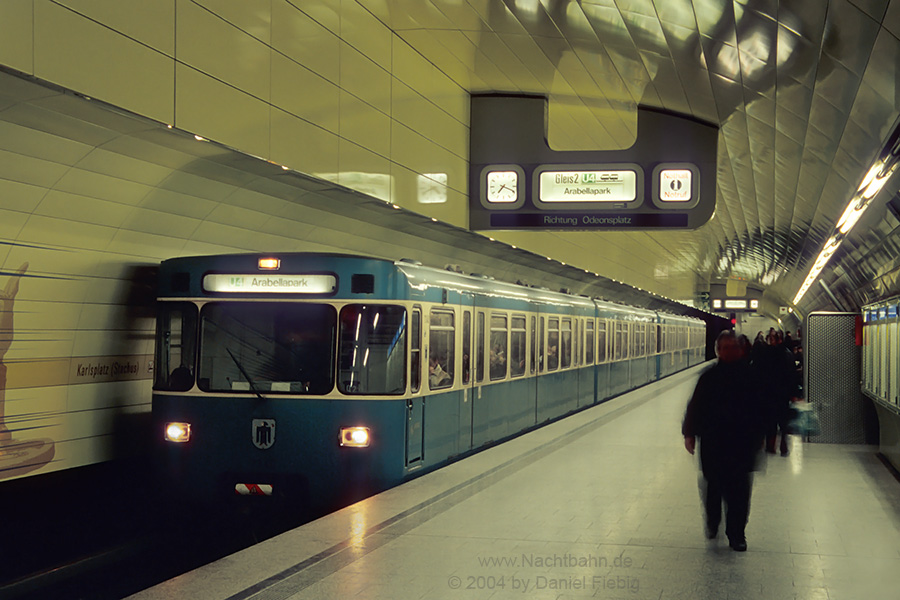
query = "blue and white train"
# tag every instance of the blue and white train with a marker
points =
(325, 378)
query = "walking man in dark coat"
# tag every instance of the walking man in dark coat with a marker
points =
(725, 414)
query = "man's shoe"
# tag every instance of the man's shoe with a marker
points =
(738, 545)
(712, 534)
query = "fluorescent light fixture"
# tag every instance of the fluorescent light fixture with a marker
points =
(821, 261)
(875, 186)
(851, 215)
(876, 177)
(872, 174)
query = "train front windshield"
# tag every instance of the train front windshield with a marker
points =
(267, 347)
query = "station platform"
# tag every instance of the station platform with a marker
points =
(602, 504)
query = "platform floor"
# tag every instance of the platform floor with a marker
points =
(603, 504)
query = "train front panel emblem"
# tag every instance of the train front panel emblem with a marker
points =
(263, 433)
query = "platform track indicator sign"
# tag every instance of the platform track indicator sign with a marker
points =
(587, 186)
(665, 180)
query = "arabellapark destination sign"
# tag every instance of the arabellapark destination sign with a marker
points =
(269, 283)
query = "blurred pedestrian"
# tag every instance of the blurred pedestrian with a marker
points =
(746, 348)
(758, 344)
(725, 415)
(774, 369)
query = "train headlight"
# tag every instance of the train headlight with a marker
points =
(355, 437)
(178, 432)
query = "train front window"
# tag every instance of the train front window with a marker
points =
(267, 347)
(373, 349)
(176, 346)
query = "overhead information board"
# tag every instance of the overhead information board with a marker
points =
(666, 180)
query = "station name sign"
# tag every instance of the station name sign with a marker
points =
(269, 284)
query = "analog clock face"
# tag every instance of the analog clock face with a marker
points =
(502, 186)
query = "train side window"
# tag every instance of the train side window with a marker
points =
(441, 357)
(517, 345)
(499, 350)
(589, 343)
(415, 351)
(534, 348)
(566, 345)
(176, 346)
(552, 343)
(479, 349)
(541, 346)
(467, 347)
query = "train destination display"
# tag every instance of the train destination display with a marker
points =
(269, 284)
(665, 180)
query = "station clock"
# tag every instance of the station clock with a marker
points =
(502, 186)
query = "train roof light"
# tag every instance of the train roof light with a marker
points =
(269, 264)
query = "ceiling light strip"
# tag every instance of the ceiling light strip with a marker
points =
(876, 177)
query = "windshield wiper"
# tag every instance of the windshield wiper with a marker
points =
(244, 373)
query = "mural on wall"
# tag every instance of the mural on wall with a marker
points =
(17, 455)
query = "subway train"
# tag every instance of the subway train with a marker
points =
(323, 378)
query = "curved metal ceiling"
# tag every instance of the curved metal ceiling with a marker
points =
(805, 93)
(95, 173)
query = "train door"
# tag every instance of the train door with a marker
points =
(532, 359)
(480, 412)
(467, 404)
(657, 351)
(415, 404)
